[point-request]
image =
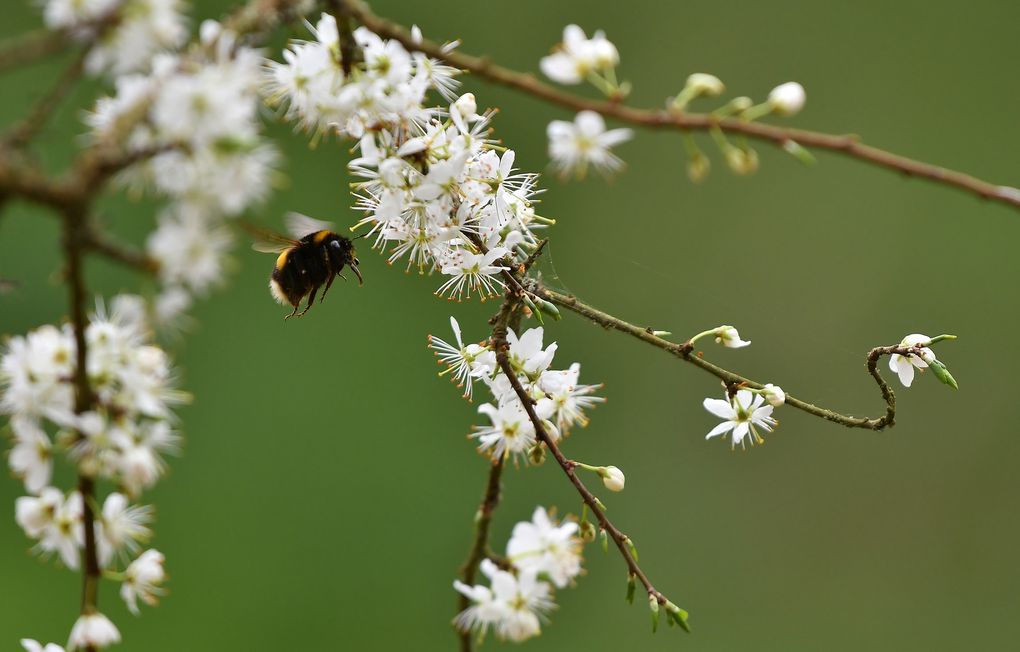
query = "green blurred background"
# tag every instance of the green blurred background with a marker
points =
(325, 496)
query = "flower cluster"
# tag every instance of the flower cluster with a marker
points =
(433, 187)
(540, 554)
(193, 118)
(385, 87)
(122, 437)
(560, 399)
(130, 32)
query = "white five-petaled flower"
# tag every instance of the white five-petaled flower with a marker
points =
(904, 366)
(122, 527)
(512, 606)
(542, 546)
(787, 99)
(471, 272)
(729, 337)
(93, 630)
(143, 579)
(31, 458)
(526, 354)
(743, 414)
(574, 146)
(577, 56)
(510, 431)
(465, 363)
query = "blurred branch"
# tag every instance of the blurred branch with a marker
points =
(480, 547)
(75, 239)
(20, 134)
(31, 46)
(684, 350)
(119, 253)
(847, 144)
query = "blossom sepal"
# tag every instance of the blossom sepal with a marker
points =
(942, 373)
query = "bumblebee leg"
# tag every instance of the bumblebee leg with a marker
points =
(311, 300)
(328, 283)
(296, 306)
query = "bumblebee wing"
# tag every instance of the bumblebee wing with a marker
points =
(267, 241)
(299, 225)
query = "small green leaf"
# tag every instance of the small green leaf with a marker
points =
(631, 587)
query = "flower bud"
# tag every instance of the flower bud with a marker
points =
(942, 373)
(698, 167)
(587, 531)
(787, 99)
(774, 395)
(742, 161)
(704, 84)
(916, 339)
(466, 106)
(537, 454)
(93, 630)
(612, 477)
(729, 337)
(741, 103)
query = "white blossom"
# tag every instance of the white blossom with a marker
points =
(64, 534)
(37, 513)
(743, 414)
(577, 56)
(510, 432)
(512, 607)
(31, 459)
(32, 645)
(190, 252)
(542, 546)
(123, 526)
(569, 399)
(729, 337)
(464, 362)
(576, 146)
(904, 365)
(143, 579)
(93, 630)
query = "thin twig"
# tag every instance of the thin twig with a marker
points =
(117, 252)
(684, 351)
(847, 144)
(31, 46)
(24, 131)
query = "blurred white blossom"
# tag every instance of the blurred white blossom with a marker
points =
(576, 146)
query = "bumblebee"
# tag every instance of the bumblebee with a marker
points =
(312, 258)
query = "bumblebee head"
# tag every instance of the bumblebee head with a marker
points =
(341, 252)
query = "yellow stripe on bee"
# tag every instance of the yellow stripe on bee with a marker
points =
(321, 236)
(282, 260)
